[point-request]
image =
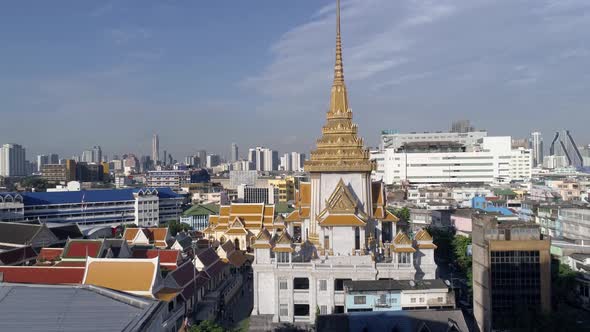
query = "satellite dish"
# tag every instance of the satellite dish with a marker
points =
(412, 283)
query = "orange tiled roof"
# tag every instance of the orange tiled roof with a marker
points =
(423, 235)
(402, 238)
(304, 212)
(426, 246)
(293, 216)
(130, 234)
(240, 209)
(342, 220)
(167, 294)
(390, 217)
(127, 275)
(305, 193)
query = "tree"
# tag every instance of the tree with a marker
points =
(563, 282)
(207, 326)
(402, 213)
(177, 226)
(34, 182)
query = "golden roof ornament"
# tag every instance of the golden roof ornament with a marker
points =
(339, 149)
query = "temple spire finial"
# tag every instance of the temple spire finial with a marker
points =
(338, 67)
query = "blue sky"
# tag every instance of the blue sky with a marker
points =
(203, 74)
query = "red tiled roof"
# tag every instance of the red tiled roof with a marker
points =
(42, 274)
(167, 256)
(50, 254)
(81, 249)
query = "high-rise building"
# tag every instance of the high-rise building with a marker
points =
(537, 147)
(264, 159)
(511, 271)
(42, 159)
(156, 148)
(12, 160)
(165, 158)
(213, 160)
(202, 154)
(54, 158)
(96, 154)
(297, 160)
(87, 156)
(461, 126)
(234, 152)
(286, 164)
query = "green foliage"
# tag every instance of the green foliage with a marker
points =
(402, 213)
(177, 226)
(34, 182)
(206, 326)
(563, 282)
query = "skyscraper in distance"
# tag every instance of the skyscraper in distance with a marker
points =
(12, 160)
(537, 147)
(155, 148)
(234, 152)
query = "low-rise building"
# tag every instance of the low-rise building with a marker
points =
(141, 206)
(388, 295)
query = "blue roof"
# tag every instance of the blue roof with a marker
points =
(73, 197)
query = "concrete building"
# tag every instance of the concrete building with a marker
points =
(537, 147)
(553, 162)
(12, 160)
(338, 224)
(244, 177)
(213, 160)
(234, 156)
(266, 195)
(42, 159)
(59, 173)
(392, 295)
(572, 223)
(174, 179)
(263, 159)
(391, 139)
(156, 148)
(488, 161)
(286, 188)
(147, 206)
(97, 154)
(511, 271)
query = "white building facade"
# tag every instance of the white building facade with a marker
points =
(492, 161)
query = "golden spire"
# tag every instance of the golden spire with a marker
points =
(338, 67)
(339, 149)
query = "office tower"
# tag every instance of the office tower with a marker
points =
(297, 160)
(537, 147)
(96, 154)
(252, 158)
(86, 156)
(286, 162)
(170, 160)
(234, 152)
(42, 159)
(202, 154)
(12, 160)
(156, 148)
(164, 158)
(53, 158)
(511, 271)
(264, 159)
(213, 160)
(461, 126)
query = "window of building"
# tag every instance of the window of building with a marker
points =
(323, 310)
(284, 310)
(413, 300)
(339, 309)
(403, 258)
(301, 283)
(283, 284)
(283, 257)
(339, 284)
(360, 300)
(323, 285)
(421, 300)
(301, 309)
(440, 299)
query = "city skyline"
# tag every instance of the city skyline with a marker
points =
(399, 53)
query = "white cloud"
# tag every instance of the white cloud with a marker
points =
(436, 60)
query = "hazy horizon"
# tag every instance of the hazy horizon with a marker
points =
(205, 74)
